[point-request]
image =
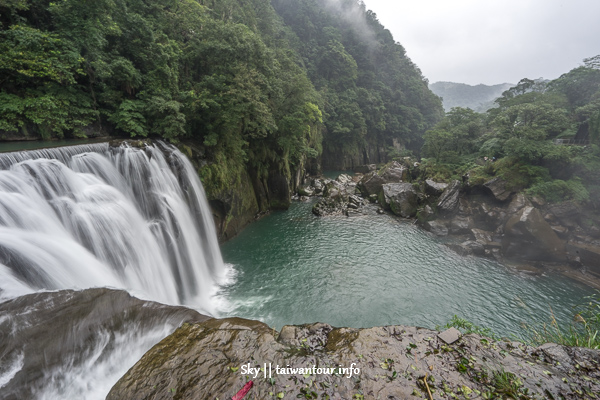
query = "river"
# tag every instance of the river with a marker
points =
(292, 267)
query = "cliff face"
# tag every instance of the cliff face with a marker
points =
(212, 359)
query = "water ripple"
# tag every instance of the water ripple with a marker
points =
(375, 270)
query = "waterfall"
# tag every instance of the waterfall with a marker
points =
(100, 216)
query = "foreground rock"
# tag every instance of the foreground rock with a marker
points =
(211, 360)
(50, 334)
(338, 197)
(401, 198)
(529, 236)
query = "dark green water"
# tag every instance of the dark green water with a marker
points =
(292, 267)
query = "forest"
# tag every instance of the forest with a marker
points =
(262, 86)
(542, 137)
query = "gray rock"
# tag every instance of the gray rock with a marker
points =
(353, 199)
(436, 227)
(586, 254)
(497, 188)
(401, 198)
(395, 172)
(483, 237)
(344, 179)
(433, 188)
(460, 225)
(528, 236)
(370, 184)
(306, 191)
(334, 189)
(449, 198)
(450, 336)
(318, 185)
(426, 213)
(517, 203)
(329, 206)
(206, 358)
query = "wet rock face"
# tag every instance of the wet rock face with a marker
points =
(497, 187)
(438, 228)
(528, 236)
(212, 360)
(433, 188)
(449, 199)
(371, 183)
(401, 198)
(57, 330)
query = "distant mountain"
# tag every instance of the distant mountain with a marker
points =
(479, 98)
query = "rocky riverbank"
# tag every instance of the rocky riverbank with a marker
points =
(486, 220)
(212, 359)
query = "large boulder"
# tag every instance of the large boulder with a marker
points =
(370, 184)
(433, 188)
(460, 225)
(395, 172)
(528, 236)
(449, 198)
(318, 185)
(497, 188)
(344, 179)
(333, 189)
(584, 254)
(438, 228)
(401, 198)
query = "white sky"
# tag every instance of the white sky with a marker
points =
(493, 41)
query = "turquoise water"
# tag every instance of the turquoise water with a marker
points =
(292, 267)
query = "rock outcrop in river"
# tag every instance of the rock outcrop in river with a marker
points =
(487, 219)
(212, 359)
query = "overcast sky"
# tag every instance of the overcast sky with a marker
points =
(493, 41)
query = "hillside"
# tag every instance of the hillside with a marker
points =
(479, 98)
(263, 90)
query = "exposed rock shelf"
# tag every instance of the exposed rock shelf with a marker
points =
(486, 219)
(204, 360)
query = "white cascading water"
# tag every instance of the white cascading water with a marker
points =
(99, 216)
(93, 215)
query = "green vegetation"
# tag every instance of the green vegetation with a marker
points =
(583, 331)
(467, 327)
(372, 93)
(258, 87)
(519, 138)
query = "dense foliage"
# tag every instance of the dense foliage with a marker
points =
(544, 137)
(226, 74)
(216, 72)
(373, 94)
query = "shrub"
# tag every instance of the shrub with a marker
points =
(558, 190)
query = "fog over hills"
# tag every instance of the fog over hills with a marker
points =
(480, 97)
